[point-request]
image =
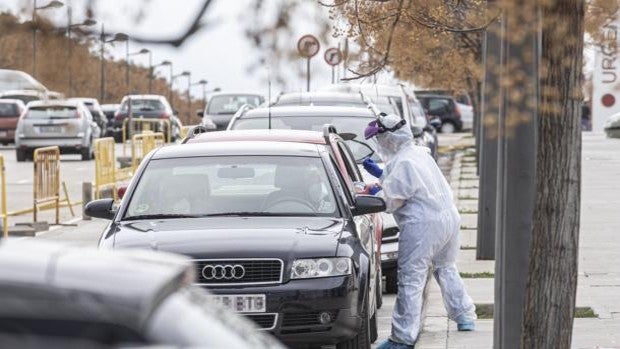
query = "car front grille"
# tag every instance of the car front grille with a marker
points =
(307, 318)
(239, 271)
(264, 321)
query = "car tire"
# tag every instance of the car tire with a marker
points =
(448, 127)
(363, 339)
(87, 153)
(391, 281)
(21, 155)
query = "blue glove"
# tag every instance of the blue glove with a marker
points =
(374, 189)
(372, 168)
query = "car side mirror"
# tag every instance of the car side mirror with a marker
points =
(366, 204)
(200, 113)
(102, 208)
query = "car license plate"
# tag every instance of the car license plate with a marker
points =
(242, 303)
(50, 129)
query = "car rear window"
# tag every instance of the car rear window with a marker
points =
(52, 112)
(144, 105)
(229, 104)
(8, 109)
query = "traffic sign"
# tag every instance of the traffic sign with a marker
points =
(308, 46)
(333, 56)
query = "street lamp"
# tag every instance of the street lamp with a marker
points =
(117, 37)
(35, 8)
(141, 52)
(204, 83)
(86, 23)
(184, 73)
(163, 63)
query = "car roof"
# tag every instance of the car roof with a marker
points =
(83, 283)
(381, 89)
(11, 100)
(55, 102)
(84, 99)
(321, 95)
(215, 94)
(22, 92)
(308, 111)
(144, 96)
(237, 148)
(295, 136)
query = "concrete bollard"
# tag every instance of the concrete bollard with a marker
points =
(87, 196)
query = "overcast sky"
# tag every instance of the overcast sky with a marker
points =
(219, 53)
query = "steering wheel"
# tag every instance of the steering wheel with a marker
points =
(277, 201)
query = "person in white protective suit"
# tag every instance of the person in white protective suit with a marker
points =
(419, 196)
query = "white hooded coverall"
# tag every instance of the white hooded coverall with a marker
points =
(420, 198)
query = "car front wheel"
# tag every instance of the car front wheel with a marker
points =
(448, 127)
(362, 340)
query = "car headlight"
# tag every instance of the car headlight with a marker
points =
(320, 267)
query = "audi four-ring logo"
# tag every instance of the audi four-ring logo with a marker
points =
(223, 272)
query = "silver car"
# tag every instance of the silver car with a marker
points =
(66, 124)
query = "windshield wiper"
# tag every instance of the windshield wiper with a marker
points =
(258, 214)
(158, 216)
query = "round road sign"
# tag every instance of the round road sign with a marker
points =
(308, 46)
(333, 56)
(608, 100)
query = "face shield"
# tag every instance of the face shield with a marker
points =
(390, 134)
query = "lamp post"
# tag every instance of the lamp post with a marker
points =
(141, 52)
(117, 37)
(203, 83)
(163, 63)
(185, 73)
(86, 23)
(35, 8)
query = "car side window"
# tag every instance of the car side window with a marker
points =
(438, 105)
(350, 164)
(341, 181)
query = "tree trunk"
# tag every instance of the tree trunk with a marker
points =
(552, 279)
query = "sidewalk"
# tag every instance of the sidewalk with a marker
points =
(599, 255)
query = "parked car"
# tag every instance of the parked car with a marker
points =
(405, 102)
(66, 124)
(95, 110)
(109, 110)
(467, 115)
(147, 107)
(334, 99)
(18, 80)
(350, 122)
(222, 106)
(56, 296)
(271, 229)
(346, 162)
(446, 108)
(10, 110)
(27, 96)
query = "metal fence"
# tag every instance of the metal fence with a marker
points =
(46, 189)
(142, 144)
(138, 126)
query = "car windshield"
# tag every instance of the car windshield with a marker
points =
(143, 105)
(229, 104)
(52, 112)
(8, 109)
(233, 185)
(343, 124)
